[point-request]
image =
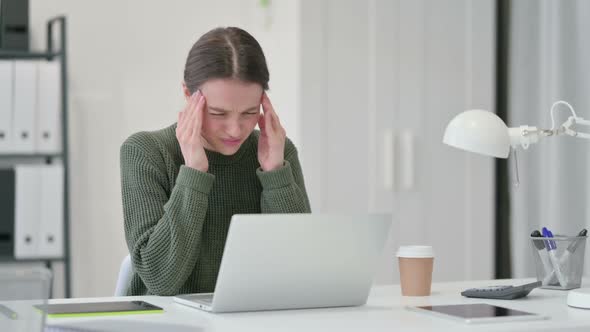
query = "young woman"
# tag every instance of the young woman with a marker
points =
(182, 184)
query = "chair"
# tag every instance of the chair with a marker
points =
(125, 273)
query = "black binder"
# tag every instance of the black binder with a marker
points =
(7, 197)
(14, 25)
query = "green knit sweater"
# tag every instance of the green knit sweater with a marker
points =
(177, 218)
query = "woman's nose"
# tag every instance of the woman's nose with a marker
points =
(233, 128)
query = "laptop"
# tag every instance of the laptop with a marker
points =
(295, 261)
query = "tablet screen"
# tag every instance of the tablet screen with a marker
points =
(474, 311)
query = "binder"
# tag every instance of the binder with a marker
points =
(25, 99)
(7, 191)
(52, 211)
(27, 211)
(48, 133)
(6, 104)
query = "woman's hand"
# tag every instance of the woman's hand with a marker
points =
(188, 133)
(271, 144)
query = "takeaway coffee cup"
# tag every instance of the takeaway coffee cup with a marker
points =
(415, 269)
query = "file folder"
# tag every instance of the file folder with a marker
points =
(6, 104)
(25, 99)
(48, 133)
(52, 212)
(27, 211)
(7, 191)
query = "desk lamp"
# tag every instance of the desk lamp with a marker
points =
(485, 133)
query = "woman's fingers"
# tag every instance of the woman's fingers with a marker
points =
(181, 119)
(275, 122)
(188, 133)
(180, 123)
(198, 124)
(266, 104)
(268, 124)
(261, 122)
(267, 111)
(192, 115)
(201, 111)
(183, 123)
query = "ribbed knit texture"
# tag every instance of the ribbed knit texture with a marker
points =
(177, 218)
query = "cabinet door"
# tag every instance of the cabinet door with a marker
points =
(384, 80)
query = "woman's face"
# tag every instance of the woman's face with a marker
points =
(231, 113)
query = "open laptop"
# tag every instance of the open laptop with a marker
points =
(293, 261)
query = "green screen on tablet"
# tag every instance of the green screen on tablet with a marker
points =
(98, 309)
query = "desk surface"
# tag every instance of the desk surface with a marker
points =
(384, 311)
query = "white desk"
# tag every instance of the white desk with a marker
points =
(384, 311)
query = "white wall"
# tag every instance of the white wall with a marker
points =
(342, 72)
(125, 68)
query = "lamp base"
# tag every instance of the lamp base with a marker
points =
(579, 298)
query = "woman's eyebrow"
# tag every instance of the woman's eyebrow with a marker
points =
(221, 110)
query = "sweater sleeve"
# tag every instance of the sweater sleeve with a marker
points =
(283, 189)
(162, 226)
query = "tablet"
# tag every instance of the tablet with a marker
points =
(98, 309)
(478, 313)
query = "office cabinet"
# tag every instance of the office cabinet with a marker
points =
(373, 131)
(34, 173)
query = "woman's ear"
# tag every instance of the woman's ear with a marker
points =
(185, 91)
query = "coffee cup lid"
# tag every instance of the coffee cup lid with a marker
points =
(415, 251)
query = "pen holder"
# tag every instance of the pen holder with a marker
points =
(559, 261)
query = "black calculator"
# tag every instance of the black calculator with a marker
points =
(505, 292)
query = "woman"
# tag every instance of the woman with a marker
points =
(182, 184)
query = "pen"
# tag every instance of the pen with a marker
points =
(549, 275)
(8, 312)
(572, 247)
(563, 260)
(551, 246)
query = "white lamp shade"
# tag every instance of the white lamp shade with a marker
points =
(479, 131)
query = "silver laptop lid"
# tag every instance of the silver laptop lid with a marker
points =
(285, 261)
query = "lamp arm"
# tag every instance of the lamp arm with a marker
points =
(566, 127)
(524, 136)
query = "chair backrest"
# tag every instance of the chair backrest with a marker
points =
(125, 273)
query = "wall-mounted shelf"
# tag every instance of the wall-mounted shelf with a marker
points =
(56, 27)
